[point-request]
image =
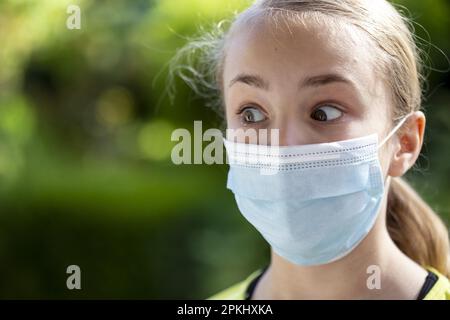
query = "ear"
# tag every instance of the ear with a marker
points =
(407, 145)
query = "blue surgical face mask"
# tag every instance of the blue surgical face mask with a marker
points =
(312, 203)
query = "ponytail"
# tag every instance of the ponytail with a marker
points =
(416, 229)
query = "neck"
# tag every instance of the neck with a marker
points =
(350, 277)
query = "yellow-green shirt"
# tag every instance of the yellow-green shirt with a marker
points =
(439, 291)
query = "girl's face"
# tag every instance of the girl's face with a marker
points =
(313, 84)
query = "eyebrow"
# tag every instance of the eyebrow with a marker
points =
(316, 81)
(251, 80)
(325, 79)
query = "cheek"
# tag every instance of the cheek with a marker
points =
(385, 156)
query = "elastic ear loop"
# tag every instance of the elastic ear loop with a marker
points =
(398, 126)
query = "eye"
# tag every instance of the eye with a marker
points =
(326, 113)
(252, 115)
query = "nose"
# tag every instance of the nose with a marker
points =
(290, 133)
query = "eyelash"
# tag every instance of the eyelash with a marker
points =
(247, 106)
(250, 106)
(329, 104)
(317, 106)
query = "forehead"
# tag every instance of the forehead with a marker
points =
(287, 52)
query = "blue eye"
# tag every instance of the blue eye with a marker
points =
(326, 113)
(252, 115)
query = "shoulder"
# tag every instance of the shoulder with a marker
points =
(441, 289)
(237, 291)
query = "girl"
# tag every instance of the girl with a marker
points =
(341, 81)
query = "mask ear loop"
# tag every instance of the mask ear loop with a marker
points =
(398, 126)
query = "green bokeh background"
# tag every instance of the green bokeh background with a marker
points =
(85, 170)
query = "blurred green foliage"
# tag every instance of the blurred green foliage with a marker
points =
(85, 176)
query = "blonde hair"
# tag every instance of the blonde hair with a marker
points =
(415, 228)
